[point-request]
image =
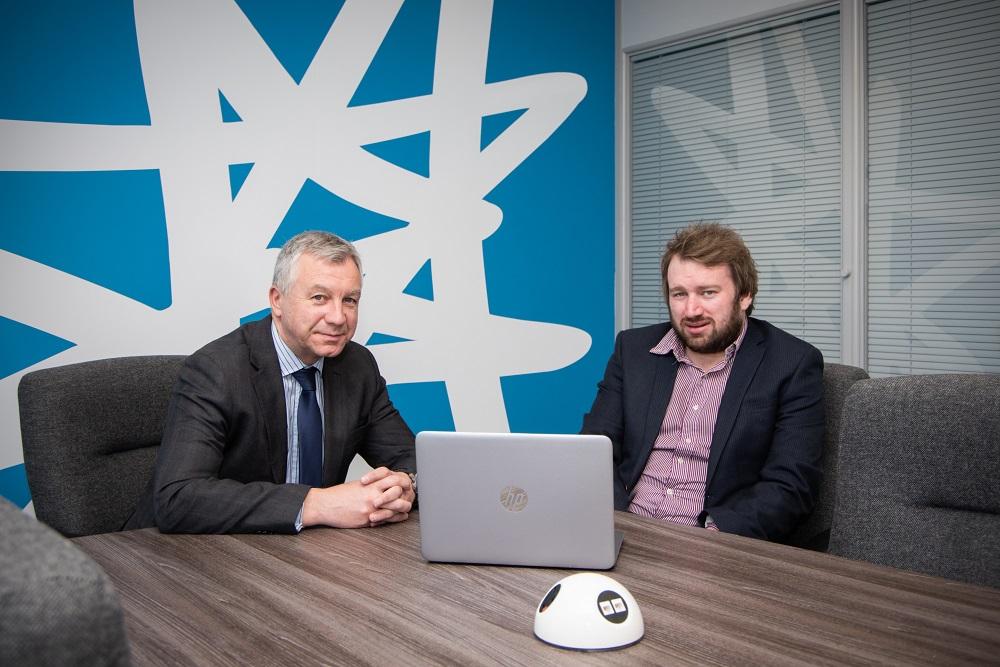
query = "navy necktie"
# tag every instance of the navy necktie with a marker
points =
(310, 429)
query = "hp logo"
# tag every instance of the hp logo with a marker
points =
(513, 498)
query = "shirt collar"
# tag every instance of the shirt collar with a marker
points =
(287, 360)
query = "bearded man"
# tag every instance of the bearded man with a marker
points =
(716, 418)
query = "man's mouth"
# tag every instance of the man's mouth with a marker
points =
(697, 327)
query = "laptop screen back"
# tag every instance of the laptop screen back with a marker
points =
(516, 499)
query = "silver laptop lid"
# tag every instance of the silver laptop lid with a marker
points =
(516, 499)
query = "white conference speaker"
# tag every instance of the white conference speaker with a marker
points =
(589, 612)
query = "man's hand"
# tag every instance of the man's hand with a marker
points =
(381, 496)
(396, 478)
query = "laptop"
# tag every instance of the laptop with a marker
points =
(517, 499)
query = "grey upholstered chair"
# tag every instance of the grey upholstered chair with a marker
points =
(919, 483)
(814, 532)
(90, 433)
(57, 607)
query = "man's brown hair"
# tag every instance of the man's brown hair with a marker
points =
(712, 244)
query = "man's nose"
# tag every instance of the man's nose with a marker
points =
(693, 306)
(335, 312)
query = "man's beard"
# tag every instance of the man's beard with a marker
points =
(721, 337)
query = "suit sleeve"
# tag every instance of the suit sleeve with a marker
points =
(190, 495)
(788, 482)
(388, 441)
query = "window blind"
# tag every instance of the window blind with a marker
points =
(934, 180)
(744, 129)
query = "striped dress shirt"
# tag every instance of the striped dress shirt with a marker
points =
(672, 485)
(289, 363)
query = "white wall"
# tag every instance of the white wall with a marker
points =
(644, 21)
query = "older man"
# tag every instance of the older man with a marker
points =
(264, 422)
(716, 417)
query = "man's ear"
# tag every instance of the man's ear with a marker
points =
(274, 297)
(745, 302)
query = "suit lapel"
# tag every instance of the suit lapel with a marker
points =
(270, 391)
(659, 398)
(748, 359)
(334, 429)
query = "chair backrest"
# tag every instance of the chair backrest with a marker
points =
(814, 532)
(58, 606)
(919, 485)
(90, 433)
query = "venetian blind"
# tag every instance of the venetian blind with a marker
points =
(934, 180)
(744, 129)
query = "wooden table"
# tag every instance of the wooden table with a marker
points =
(367, 597)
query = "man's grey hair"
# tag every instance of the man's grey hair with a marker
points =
(322, 245)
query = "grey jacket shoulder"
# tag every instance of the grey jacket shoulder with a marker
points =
(246, 342)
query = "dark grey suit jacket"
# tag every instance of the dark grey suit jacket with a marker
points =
(764, 463)
(222, 462)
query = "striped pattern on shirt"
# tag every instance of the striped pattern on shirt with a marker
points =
(289, 363)
(672, 485)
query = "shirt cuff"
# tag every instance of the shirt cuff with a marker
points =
(298, 521)
(710, 525)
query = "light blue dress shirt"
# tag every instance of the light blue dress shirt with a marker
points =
(289, 363)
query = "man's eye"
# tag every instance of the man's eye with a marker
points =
(319, 298)
(709, 292)
(351, 300)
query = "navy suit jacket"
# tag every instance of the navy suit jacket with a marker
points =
(222, 462)
(764, 463)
